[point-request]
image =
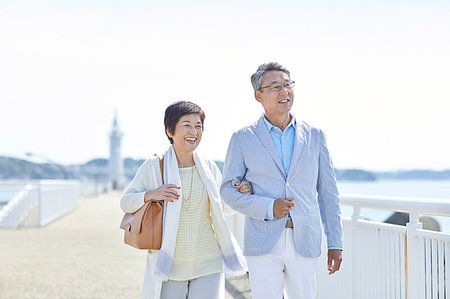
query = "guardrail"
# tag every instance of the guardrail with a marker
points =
(390, 261)
(36, 203)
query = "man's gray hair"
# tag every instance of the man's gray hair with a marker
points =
(257, 77)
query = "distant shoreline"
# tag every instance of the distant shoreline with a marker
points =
(14, 168)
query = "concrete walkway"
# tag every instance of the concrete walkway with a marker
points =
(81, 255)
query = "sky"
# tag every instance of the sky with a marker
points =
(373, 75)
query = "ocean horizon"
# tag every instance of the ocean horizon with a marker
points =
(438, 189)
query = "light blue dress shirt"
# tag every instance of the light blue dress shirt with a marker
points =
(284, 143)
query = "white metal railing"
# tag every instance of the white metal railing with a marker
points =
(390, 261)
(57, 199)
(37, 203)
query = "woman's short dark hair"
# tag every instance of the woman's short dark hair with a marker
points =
(178, 109)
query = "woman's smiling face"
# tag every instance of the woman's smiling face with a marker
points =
(187, 134)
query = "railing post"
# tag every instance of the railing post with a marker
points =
(415, 287)
(356, 214)
(353, 252)
(40, 210)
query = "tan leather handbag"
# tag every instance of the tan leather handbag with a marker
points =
(143, 228)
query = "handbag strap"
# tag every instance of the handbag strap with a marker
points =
(161, 166)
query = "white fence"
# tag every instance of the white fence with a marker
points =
(36, 203)
(385, 261)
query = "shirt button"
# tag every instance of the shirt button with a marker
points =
(287, 184)
(285, 154)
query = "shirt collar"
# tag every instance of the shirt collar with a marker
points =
(269, 126)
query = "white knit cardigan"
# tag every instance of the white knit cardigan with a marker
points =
(159, 262)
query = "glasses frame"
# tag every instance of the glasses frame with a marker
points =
(287, 85)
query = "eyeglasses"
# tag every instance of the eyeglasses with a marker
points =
(276, 86)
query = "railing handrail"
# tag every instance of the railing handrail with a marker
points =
(38, 182)
(428, 206)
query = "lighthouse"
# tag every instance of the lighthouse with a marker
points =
(116, 173)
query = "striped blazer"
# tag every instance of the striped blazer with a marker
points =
(311, 181)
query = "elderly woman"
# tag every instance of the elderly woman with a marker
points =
(197, 245)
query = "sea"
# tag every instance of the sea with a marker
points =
(408, 188)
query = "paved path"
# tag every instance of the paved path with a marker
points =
(81, 255)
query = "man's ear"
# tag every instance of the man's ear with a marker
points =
(258, 95)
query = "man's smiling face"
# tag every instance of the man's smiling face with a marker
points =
(275, 102)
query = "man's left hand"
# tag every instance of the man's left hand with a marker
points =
(334, 260)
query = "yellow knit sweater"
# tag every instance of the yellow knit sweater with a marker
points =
(196, 251)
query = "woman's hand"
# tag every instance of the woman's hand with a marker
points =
(244, 187)
(164, 192)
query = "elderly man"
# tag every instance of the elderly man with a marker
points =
(294, 188)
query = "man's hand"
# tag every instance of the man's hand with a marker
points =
(334, 260)
(282, 206)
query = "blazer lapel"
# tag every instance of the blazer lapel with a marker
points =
(265, 138)
(299, 146)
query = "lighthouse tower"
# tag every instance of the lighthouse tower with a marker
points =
(116, 173)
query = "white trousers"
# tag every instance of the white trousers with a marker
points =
(204, 287)
(283, 268)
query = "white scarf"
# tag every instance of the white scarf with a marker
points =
(233, 260)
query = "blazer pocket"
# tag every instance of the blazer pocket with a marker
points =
(314, 230)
